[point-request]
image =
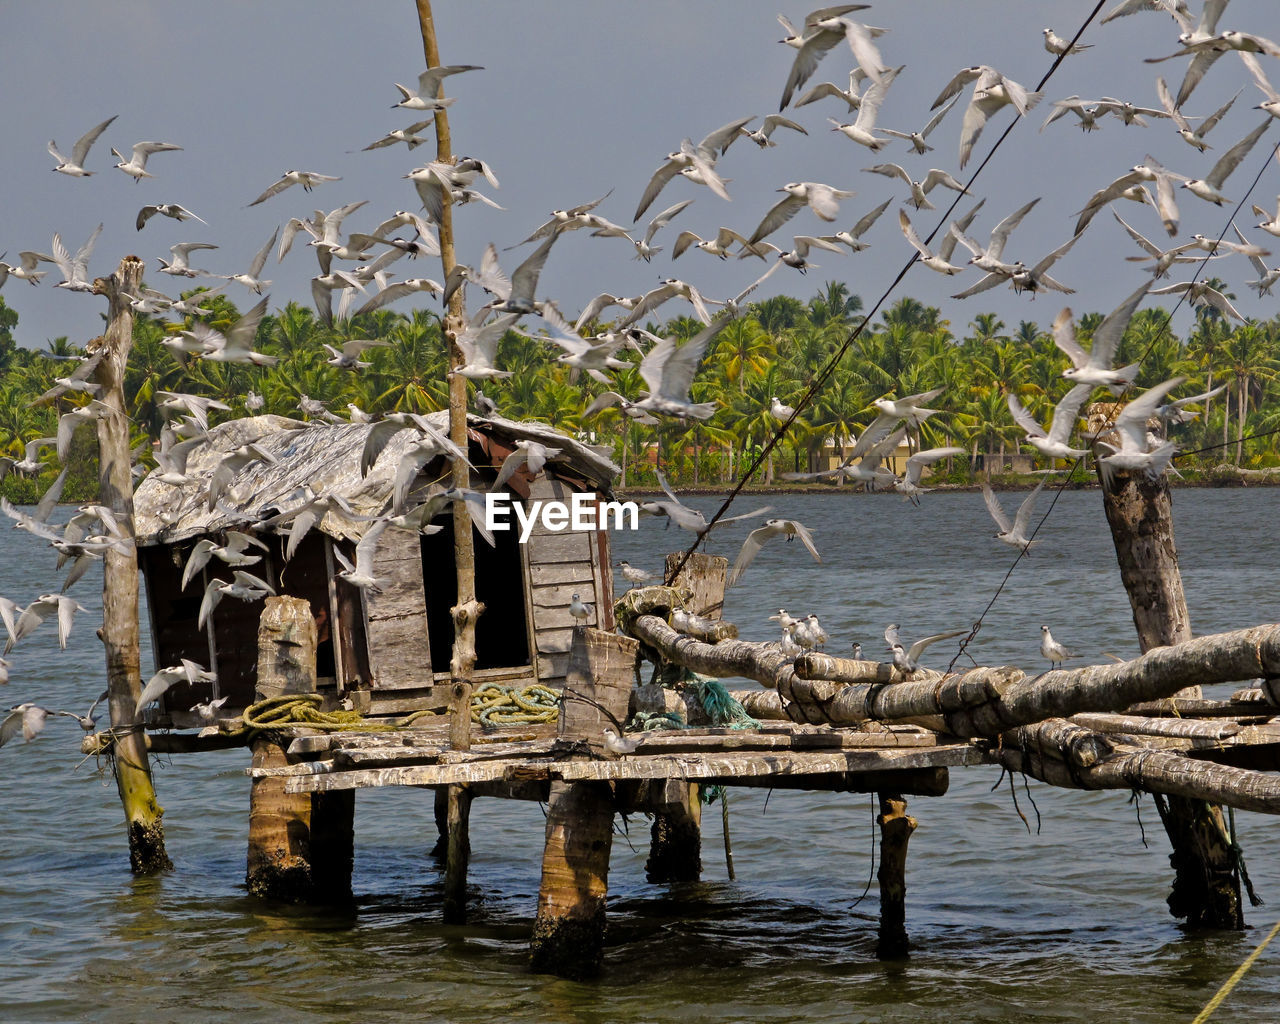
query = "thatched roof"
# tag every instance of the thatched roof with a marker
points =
(325, 457)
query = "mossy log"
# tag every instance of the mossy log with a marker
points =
(300, 845)
(675, 838)
(568, 933)
(765, 663)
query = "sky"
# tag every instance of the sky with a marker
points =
(578, 98)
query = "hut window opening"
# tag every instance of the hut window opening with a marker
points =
(502, 632)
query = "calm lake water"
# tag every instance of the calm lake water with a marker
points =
(1068, 924)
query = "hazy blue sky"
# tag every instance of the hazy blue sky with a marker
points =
(578, 98)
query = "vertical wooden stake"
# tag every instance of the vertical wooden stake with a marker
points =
(142, 813)
(704, 575)
(568, 935)
(468, 609)
(896, 827)
(457, 853)
(300, 844)
(1206, 890)
(675, 847)
(728, 841)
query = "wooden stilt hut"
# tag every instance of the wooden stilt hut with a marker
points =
(386, 652)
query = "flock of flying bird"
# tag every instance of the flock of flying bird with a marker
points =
(360, 262)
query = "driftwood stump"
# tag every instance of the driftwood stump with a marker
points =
(301, 845)
(568, 935)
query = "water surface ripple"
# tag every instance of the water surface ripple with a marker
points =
(1068, 924)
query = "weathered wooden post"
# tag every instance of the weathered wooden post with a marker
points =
(704, 576)
(468, 609)
(896, 827)
(1206, 890)
(300, 845)
(675, 847)
(568, 934)
(120, 578)
(675, 839)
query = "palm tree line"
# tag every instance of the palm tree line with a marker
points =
(776, 349)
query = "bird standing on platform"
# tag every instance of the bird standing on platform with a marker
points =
(580, 611)
(1054, 652)
(633, 575)
(907, 660)
(620, 746)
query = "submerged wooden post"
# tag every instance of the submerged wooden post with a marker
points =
(568, 934)
(675, 844)
(896, 827)
(119, 634)
(300, 844)
(468, 609)
(1206, 889)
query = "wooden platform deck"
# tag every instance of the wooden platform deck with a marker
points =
(721, 756)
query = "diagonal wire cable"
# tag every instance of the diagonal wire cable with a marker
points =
(820, 379)
(977, 626)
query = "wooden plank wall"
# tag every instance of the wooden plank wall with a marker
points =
(558, 564)
(399, 651)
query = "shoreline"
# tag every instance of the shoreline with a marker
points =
(997, 484)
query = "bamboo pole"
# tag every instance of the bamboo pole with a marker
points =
(120, 580)
(1206, 887)
(468, 609)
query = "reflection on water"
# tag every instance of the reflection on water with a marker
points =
(1068, 924)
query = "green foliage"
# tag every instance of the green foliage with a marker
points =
(777, 349)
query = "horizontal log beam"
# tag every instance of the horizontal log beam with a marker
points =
(1067, 755)
(763, 663)
(983, 701)
(1179, 728)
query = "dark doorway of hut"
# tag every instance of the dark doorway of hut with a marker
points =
(502, 632)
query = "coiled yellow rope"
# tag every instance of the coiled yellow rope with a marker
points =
(490, 705)
(514, 705)
(304, 709)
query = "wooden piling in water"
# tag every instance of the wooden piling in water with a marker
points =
(568, 934)
(675, 838)
(1206, 889)
(300, 844)
(896, 827)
